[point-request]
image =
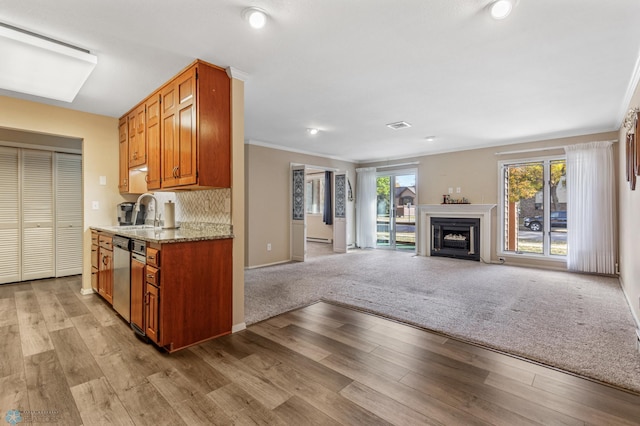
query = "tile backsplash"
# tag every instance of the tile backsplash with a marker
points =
(204, 206)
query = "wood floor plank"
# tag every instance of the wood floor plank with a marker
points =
(69, 300)
(99, 405)
(584, 395)
(48, 390)
(468, 398)
(191, 405)
(7, 291)
(13, 393)
(201, 375)
(11, 362)
(242, 408)
(253, 382)
(147, 406)
(296, 411)
(51, 308)
(8, 314)
(408, 334)
(383, 406)
(77, 362)
(345, 316)
(254, 343)
(100, 309)
(277, 335)
(330, 403)
(464, 357)
(554, 402)
(307, 316)
(334, 333)
(98, 339)
(34, 335)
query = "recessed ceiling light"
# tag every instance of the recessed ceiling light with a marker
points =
(312, 131)
(398, 125)
(430, 138)
(500, 9)
(256, 17)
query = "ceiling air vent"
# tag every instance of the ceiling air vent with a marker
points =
(398, 125)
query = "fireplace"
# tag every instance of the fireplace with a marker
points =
(455, 237)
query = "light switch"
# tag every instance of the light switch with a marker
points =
(458, 190)
(450, 190)
(103, 180)
(95, 205)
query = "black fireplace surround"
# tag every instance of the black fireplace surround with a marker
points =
(455, 237)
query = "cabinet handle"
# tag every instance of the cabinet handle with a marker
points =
(104, 260)
(146, 178)
(150, 275)
(124, 181)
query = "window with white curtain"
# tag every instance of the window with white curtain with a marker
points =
(534, 204)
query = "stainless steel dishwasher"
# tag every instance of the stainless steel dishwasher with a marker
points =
(122, 276)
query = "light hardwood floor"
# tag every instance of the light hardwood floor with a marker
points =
(69, 358)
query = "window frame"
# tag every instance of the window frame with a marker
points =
(546, 239)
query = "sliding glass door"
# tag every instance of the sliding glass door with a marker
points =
(396, 210)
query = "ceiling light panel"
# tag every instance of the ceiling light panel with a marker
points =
(39, 66)
(256, 17)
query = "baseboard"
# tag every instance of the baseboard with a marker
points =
(320, 240)
(86, 291)
(268, 264)
(629, 302)
(238, 327)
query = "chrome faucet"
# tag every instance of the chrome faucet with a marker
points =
(136, 209)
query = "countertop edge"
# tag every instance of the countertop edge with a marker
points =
(155, 235)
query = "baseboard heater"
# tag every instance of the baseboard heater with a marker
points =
(319, 240)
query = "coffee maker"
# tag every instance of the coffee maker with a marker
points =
(125, 214)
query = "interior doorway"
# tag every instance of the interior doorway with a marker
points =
(396, 200)
(318, 214)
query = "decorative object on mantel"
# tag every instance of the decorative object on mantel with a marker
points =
(446, 199)
(632, 153)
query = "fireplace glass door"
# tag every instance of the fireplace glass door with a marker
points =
(396, 210)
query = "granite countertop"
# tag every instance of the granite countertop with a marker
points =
(186, 232)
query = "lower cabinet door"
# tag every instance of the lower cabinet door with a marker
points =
(137, 294)
(152, 308)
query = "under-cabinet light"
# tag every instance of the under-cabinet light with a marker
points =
(40, 66)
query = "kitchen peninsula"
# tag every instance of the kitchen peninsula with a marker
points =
(183, 295)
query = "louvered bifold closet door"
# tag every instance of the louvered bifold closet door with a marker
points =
(37, 214)
(68, 196)
(9, 216)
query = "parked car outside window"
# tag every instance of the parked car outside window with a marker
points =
(536, 223)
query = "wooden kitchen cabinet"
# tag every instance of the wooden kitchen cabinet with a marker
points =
(137, 139)
(187, 128)
(95, 262)
(123, 164)
(188, 298)
(138, 293)
(105, 267)
(153, 141)
(152, 313)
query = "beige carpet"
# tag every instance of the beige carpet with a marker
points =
(579, 323)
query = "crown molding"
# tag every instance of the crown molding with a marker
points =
(237, 74)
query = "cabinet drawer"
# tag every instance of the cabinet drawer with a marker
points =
(94, 237)
(152, 276)
(106, 242)
(94, 255)
(153, 257)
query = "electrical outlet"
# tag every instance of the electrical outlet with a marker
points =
(268, 246)
(95, 205)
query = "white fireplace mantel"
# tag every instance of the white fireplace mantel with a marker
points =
(475, 211)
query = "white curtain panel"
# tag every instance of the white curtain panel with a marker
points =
(366, 194)
(590, 216)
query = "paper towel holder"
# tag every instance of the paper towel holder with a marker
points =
(169, 216)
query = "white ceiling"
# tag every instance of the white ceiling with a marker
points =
(348, 67)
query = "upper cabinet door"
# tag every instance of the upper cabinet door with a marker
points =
(137, 140)
(153, 141)
(179, 133)
(123, 166)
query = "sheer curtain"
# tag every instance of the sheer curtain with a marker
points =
(366, 194)
(591, 200)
